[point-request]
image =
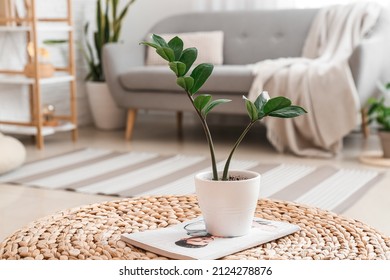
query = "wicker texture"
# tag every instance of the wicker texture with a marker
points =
(93, 232)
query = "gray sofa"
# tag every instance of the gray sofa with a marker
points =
(249, 37)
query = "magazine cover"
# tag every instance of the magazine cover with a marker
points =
(190, 240)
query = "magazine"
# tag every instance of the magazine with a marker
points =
(190, 240)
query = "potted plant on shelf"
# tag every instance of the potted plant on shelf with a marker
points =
(227, 198)
(105, 113)
(380, 112)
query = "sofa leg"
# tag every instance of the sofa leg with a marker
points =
(365, 127)
(131, 116)
(179, 123)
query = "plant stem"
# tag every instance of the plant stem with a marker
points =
(227, 164)
(208, 137)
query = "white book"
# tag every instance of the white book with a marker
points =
(189, 240)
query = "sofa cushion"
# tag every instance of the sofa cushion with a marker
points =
(225, 78)
(209, 45)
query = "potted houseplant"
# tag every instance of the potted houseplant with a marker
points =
(105, 113)
(380, 112)
(227, 198)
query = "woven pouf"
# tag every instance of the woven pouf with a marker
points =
(12, 153)
(93, 232)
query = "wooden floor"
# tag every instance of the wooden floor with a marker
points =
(21, 205)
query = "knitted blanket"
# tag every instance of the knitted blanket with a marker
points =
(320, 81)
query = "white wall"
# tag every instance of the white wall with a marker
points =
(145, 13)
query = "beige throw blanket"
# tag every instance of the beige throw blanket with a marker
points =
(320, 81)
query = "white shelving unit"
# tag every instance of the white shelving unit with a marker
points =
(32, 25)
(23, 80)
(45, 28)
(14, 28)
(30, 130)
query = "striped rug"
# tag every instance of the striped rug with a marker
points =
(127, 174)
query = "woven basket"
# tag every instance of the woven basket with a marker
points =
(46, 70)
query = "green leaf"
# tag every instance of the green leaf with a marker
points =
(260, 101)
(166, 53)
(98, 45)
(124, 11)
(114, 9)
(373, 108)
(93, 73)
(118, 21)
(176, 44)
(372, 100)
(288, 112)
(88, 77)
(376, 106)
(214, 103)
(99, 22)
(200, 75)
(188, 57)
(159, 41)
(179, 68)
(150, 44)
(387, 86)
(106, 37)
(275, 104)
(185, 82)
(86, 27)
(54, 42)
(251, 109)
(201, 101)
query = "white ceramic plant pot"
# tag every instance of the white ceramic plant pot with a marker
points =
(106, 115)
(228, 207)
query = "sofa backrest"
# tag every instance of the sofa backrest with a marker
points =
(249, 36)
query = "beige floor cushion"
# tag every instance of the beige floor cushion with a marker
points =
(12, 153)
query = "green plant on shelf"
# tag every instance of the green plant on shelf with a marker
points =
(181, 60)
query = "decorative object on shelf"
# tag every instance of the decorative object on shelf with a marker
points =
(13, 153)
(180, 61)
(49, 115)
(379, 112)
(46, 69)
(109, 25)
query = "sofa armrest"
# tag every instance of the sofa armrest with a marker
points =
(117, 59)
(366, 63)
(370, 62)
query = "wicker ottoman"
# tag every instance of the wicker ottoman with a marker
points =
(93, 232)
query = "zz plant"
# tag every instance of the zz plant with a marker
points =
(181, 60)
